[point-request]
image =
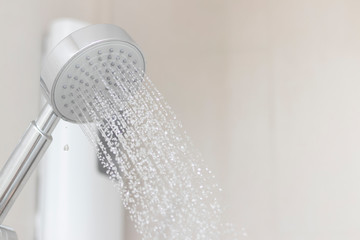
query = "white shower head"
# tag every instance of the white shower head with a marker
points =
(86, 59)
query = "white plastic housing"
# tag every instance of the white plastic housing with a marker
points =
(75, 200)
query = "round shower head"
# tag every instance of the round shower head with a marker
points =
(88, 60)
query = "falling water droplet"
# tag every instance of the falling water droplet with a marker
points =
(66, 148)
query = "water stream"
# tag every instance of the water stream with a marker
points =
(165, 185)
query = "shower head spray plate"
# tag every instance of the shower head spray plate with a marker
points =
(87, 63)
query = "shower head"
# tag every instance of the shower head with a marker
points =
(86, 60)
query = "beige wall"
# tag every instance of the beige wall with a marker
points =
(267, 89)
(293, 169)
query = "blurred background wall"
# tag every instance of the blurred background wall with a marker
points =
(268, 90)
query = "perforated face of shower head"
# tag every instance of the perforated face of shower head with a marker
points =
(88, 61)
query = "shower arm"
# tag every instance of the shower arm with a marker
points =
(25, 157)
